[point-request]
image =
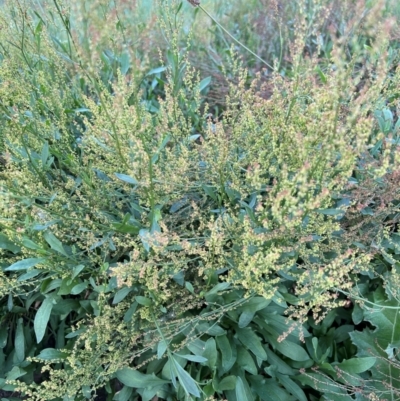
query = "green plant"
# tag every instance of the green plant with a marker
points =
(148, 250)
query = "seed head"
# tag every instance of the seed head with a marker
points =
(194, 3)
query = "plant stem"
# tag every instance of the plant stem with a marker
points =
(233, 38)
(366, 300)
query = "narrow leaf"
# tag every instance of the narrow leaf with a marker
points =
(226, 350)
(242, 393)
(25, 264)
(227, 383)
(124, 394)
(289, 349)
(135, 379)
(204, 83)
(193, 358)
(78, 288)
(29, 274)
(19, 341)
(54, 242)
(161, 348)
(42, 318)
(121, 294)
(126, 178)
(5, 243)
(292, 387)
(250, 340)
(186, 381)
(211, 353)
(357, 365)
(156, 71)
(143, 300)
(49, 354)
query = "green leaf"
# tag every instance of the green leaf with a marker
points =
(243, 392)
(25, 264)
(245, 318)
(143, 300)
(268, 389)
(161, 348)
(210, 192)
(197, 346)
(145, 237)
(15, 373)
(76, 333)
(226, 351)
(76, 271)
(121, 294)
(386, 320)
(185, 380)
(385, 119)
(42, 318)
(250, 340)
(204, 83)
(30, 244)
(135, 379)
(5, 243)
(357, 365)
(189, 287)
(129, 313)
(19, 343)
(126, 178)
(124, 394)
(227, 383)
(81, 110)
(357, 314)
(291, 350)
(78, 288)
(211, 329)
(125, 62)
(218, 288)
(292, 387)
(54, 242)
(10, 302)
(45, 153)
(246, 361)
(342, 333)
(48, 354)
(381, 342)
(193, 358)
(3, 336)
(65, 306)
(156, 70)
(29, 274)
(49, 285)
(125, 228)
(322, 76)
(211, 353)
(255, 304)
(281, 324)
(66, 286)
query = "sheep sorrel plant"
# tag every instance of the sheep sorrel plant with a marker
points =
(152, 251)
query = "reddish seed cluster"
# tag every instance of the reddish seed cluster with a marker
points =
(194, 3)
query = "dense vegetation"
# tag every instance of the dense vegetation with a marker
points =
(199, 201)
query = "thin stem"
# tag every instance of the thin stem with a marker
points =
(233, 38)
(366, 300)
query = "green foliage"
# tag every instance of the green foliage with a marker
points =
(150, 250)
(382, 343)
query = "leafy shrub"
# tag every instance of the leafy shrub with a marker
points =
(149, 250)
